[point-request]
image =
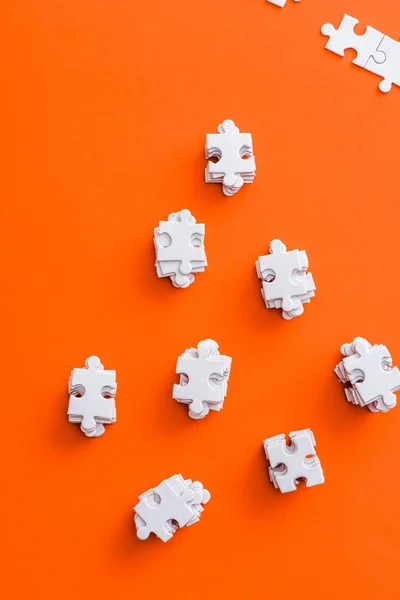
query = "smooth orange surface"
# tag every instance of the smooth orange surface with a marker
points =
(105, 108)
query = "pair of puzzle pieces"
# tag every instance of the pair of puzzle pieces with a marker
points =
(174, 503)
(367, 370)
(203, 383)
(230, 158)
(376, 52)
(179, 244)
(280, 3)
(288, 465)
(285, 283)
(92, 397)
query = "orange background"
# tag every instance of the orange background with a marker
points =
(106, 106)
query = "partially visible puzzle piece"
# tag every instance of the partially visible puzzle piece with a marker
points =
(376, 52)
(389, 67)
(280, 2)
(174, 503)
(289, 464)
(368, 371)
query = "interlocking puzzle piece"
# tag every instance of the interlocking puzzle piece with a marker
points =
(172, 506)
(279, 2)
(200, 370)
(230, 147)
(180, 245)
(387, 65)
(89, 405)
(283, 277)
(379, 382)
(344, 37)
(288, 464)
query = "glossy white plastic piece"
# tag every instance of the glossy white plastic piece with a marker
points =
(370, 375)
(285, 283)
(289, 464)
(235, 161)
(204, 375)
(91, 401)
(174, 503)
(180, 252)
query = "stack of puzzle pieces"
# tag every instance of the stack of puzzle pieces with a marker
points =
(233, 151)
(290, 464)
(285, 283)
(174, 503)
(367, 370)
(204, 374)
(179, 244)
(92, 397)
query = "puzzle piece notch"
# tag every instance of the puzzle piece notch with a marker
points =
(288, 464)
(209, 381)
(284, 281)
(344, 37)
(280, 3)
(87, 403)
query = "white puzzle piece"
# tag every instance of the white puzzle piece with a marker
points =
(172, 504)
(91, 401)
(285, 283)
(280, 3)
(376, 52)
(179, 245)
(289, 464)
(204, 375)
(234, 154)
(369, 373)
